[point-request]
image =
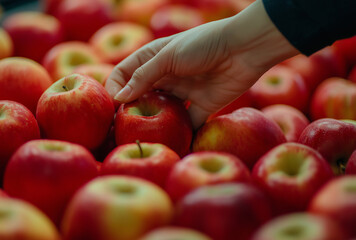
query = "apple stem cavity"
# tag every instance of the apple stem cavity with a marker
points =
(65, 88)
(341, 166)
(140, 148)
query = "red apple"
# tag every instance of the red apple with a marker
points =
(334, 139)
(6, 44)
(227, 211)
(17, 126)
(174, 233)
(291, 120)
(290, 174)
(347, 49)
(61, 60)
(281, 85)
(50, 6)
(337, 200)
(151, 161)
(136, 11)
(334, 98)
(239, 5)
(33, 33)
(245, 100)
(247, 133)
(77, 109)
(3, 194)
(47, 173)
(21, 220)
(116, 207)
(100, 72)
(173, 19)
(82, 18)
(118, 40)
(23, 80)
(156, 117)
(300, 226)
(203, 168)
(351, 164)
(352, 74)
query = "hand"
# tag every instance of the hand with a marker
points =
(210, 65)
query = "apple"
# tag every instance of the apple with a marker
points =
(17, 126)
(3, 194)
(174, 233)
(290, 174)
(137, 11)
(62, 59)
(116, 41)
(151, 161)
(33, 33)
(6, 44)
(82, 18)
(337, 200)
(100, 72)
(50, 6)
(247, 133)
(23, 80)
(116, 207)
(156, 117)
(173, 19)
(280, 85)
(245, 100)
(47, 173)
(291, 120)
(352, 74)
(347, 49)
(239, 5)
(351, 164)
(334, 98)
(203, 168)
(227, 211)
(77, 109)
(21, 220)
(334, 139)
(300, 226)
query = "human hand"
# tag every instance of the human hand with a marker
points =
(210, 65)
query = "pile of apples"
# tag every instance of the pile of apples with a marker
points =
(275, 164)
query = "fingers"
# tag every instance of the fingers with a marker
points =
(198, 115)
(143, 78)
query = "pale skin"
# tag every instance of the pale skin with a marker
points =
(210, 65)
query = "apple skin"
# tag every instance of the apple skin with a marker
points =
(156, 117)
(334, 98)
(352, 74)
(337, 200)
(22, 221)
(172, 19)
(81, 113)
(246, 133)
(50, 6)
(116, 207)
(47, 173)
(174, 233)
(280, 85)
(226, 211)
(347, 49)
(100, 72)
(6, 44)
(300, 226)
(334, 139)
(33, 33)
(62, 59)
(139, 12)
(82, 18)
(291, 120)
(240, 5)
(17, 126)
(116, 41)
(155, 164)
(351, 164)
(23, 80)
(290, 174)
(203, 168)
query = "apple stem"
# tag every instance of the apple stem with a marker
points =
(65, 88)
(140, 148)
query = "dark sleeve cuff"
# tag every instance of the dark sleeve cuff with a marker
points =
(310, 25)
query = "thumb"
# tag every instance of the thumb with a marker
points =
(142, 79)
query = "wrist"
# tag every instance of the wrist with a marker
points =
(252, 35)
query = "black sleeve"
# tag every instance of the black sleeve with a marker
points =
(310, 25)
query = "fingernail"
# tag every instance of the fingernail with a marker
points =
(123, 94)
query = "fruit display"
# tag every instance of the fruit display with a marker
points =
(277, 163)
